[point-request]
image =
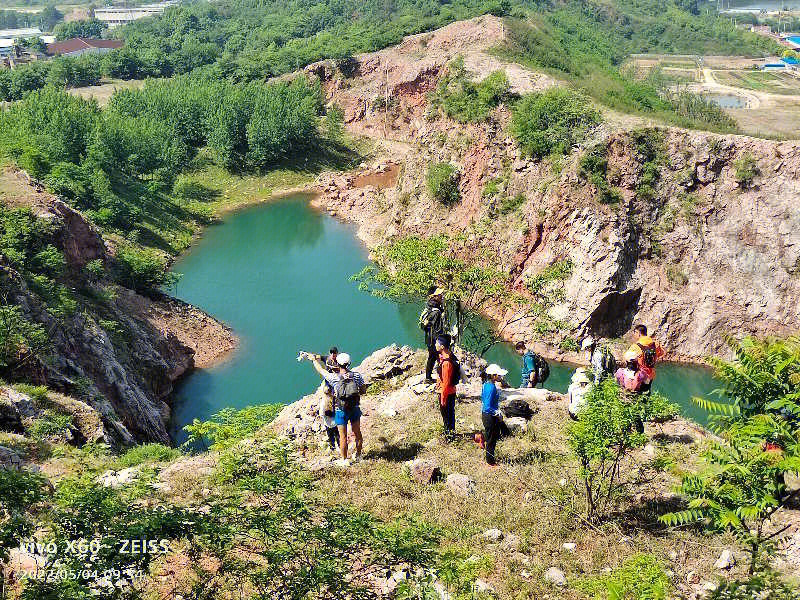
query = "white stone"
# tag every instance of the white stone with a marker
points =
(555, 576)
(483, 587)
(460, 484)
(725, 560)
(516, 425)
(493, 535)
(649, 450)
(562, 482)
(511, 541)
(118, 479)
(569, 546)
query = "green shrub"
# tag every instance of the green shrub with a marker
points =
(552, 122)
(676, 275)
(746, 169)
(641, 577)
(143, 270)
(20, 491)
(443, 180)
(20, 339)
(511, 203)
(464, 100)
(38, 393)
(148, 453)
(229, 425)
(604, 434)
(49, 424)
(594, 166)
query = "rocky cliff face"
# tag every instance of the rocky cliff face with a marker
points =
(704, 251)
(120, 352)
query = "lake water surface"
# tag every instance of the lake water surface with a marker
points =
(279, 275)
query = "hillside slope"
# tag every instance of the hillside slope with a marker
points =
(699, 254)
(119, 351)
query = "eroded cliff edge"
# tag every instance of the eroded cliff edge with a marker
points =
(119, 351)
(709, 246)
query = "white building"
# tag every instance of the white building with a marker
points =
(10, 37)
(119, 16)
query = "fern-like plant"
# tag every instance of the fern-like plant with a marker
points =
(742, 485)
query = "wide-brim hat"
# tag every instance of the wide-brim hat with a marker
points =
(494, 369)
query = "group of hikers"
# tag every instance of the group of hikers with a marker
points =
(342, 387)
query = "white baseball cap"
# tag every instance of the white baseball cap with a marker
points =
(494, 369)
(343, 358)
(587, 343)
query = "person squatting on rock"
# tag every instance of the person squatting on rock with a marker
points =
(647, 352)
(492, 377)
(578, 388)
(327, 414)
(433, 321)
(449, 375)
(347, 388)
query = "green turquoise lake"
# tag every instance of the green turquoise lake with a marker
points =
(279, 275)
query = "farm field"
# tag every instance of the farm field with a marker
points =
(770, 82)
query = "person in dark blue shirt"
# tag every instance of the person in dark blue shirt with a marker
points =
(492, 376)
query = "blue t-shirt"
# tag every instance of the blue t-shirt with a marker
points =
(490, 397)
(528, 367)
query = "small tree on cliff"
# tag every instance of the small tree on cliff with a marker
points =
(743, 482)
(405, 269)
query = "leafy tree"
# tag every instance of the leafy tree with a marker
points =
(605, 433)
(85, 28)
(49, 17)
(20, 339)
(552, 122)
(405, 270)
(742, 484)
(229, 426)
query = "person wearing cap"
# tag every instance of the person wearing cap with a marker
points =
(578, 388)
(433, 321)
(631, 377)
(648, 352)
(492, 378)
(342, 416)
(447, 388)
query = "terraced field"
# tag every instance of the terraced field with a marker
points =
(762, 81)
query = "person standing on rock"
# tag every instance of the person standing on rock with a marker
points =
(600, 357)
(648, 352)
(330, 360)
(347, 389)
(529, 372)
(449, 375)
(433, 321)
(492, 378)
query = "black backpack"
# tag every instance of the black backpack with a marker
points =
(542, 369)
(347, 393)
(518, 408)
(648, 355)
(607, 363)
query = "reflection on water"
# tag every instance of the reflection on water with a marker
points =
(279, 274)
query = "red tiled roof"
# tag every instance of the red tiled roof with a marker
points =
(77, 44)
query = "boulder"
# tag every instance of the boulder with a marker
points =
(9, 459)
(386, 363)
(493, 535)
(555, 576)
(425, 471)
(569, 546)
(10, 420)
(511, 541)
(460, 484)
(118, 479)
(516, 425)
(22, 402)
